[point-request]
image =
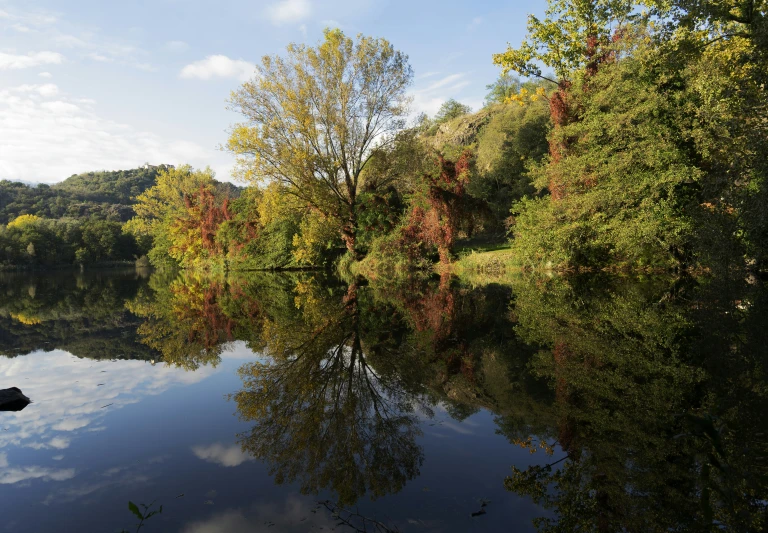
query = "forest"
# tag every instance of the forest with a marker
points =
(619, 135)
(78, 221)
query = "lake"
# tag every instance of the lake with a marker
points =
(302, 402)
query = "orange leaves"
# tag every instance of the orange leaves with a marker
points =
(437, 225)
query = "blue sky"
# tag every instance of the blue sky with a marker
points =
(89, 85)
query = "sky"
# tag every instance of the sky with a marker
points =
(102, 85)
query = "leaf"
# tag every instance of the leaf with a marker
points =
(135, 510)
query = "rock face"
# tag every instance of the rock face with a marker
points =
(13, 400)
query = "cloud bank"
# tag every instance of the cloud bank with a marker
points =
(219, 66)
(32, 59)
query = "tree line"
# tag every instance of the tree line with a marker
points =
(76, 222)
(634, 137)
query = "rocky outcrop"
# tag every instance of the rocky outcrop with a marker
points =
(13, 399)
(461, 131)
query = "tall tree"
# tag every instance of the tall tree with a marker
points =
(313, 118)
(163, 214)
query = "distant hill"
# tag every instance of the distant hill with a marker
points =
(102, 194)
(28, 183)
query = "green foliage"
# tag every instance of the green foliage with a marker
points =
(102, 195)
(568, 37)
(313, 118)
(655, 416)
(645, 395)
(654, 156)
(514, 139)
(500, 90)
(449, 110)
(165, 214)
(143, 514)
(379, 215)
(34, 242)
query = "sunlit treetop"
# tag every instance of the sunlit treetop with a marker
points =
(570, 33)
(563, 39)
(23, 221)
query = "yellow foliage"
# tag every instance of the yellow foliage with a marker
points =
(314, 115)
(276, 203)
(316, 231)
(24, 319)
(24, 220)
(525, 96)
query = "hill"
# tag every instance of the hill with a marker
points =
(106, 195)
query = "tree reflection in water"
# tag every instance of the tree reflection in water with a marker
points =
(323, 414)
(647, 397)
(660, 393)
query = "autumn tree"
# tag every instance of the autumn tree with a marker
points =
(163, 213)
(314, 116)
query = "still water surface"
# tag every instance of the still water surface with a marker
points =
(274, 402)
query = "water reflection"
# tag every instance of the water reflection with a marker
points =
(324, 412)
(652, 417)
(82, 314)
(659, 404)
(634, 404)
(347, 373)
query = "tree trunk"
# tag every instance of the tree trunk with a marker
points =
(349, 233)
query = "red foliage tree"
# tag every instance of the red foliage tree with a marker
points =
(205, 214)
(436, 220)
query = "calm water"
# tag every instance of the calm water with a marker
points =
(274, 402)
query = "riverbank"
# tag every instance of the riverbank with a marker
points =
(46, 268)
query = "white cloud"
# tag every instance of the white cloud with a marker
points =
(9, 476)
(47, 136)
(71, 424)
(330, 23)
(67, 397)
(99, 57)
(70, 41)
(46, 90)
(60, 107)
(45, 75)
(146, 67)
(428, 99)
(222, 455)
(60, 443)
(448, 80)
(295, 514)
(49, 89)
(475, 23)
(92, 44)
(176, 46)
(289, 11)
(219, 66)
(32, 59)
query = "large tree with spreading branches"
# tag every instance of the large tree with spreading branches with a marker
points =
(314, 117)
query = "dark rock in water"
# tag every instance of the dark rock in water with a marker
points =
(13, 399)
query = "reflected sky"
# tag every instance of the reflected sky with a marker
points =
(243, 403)
(101, 433)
